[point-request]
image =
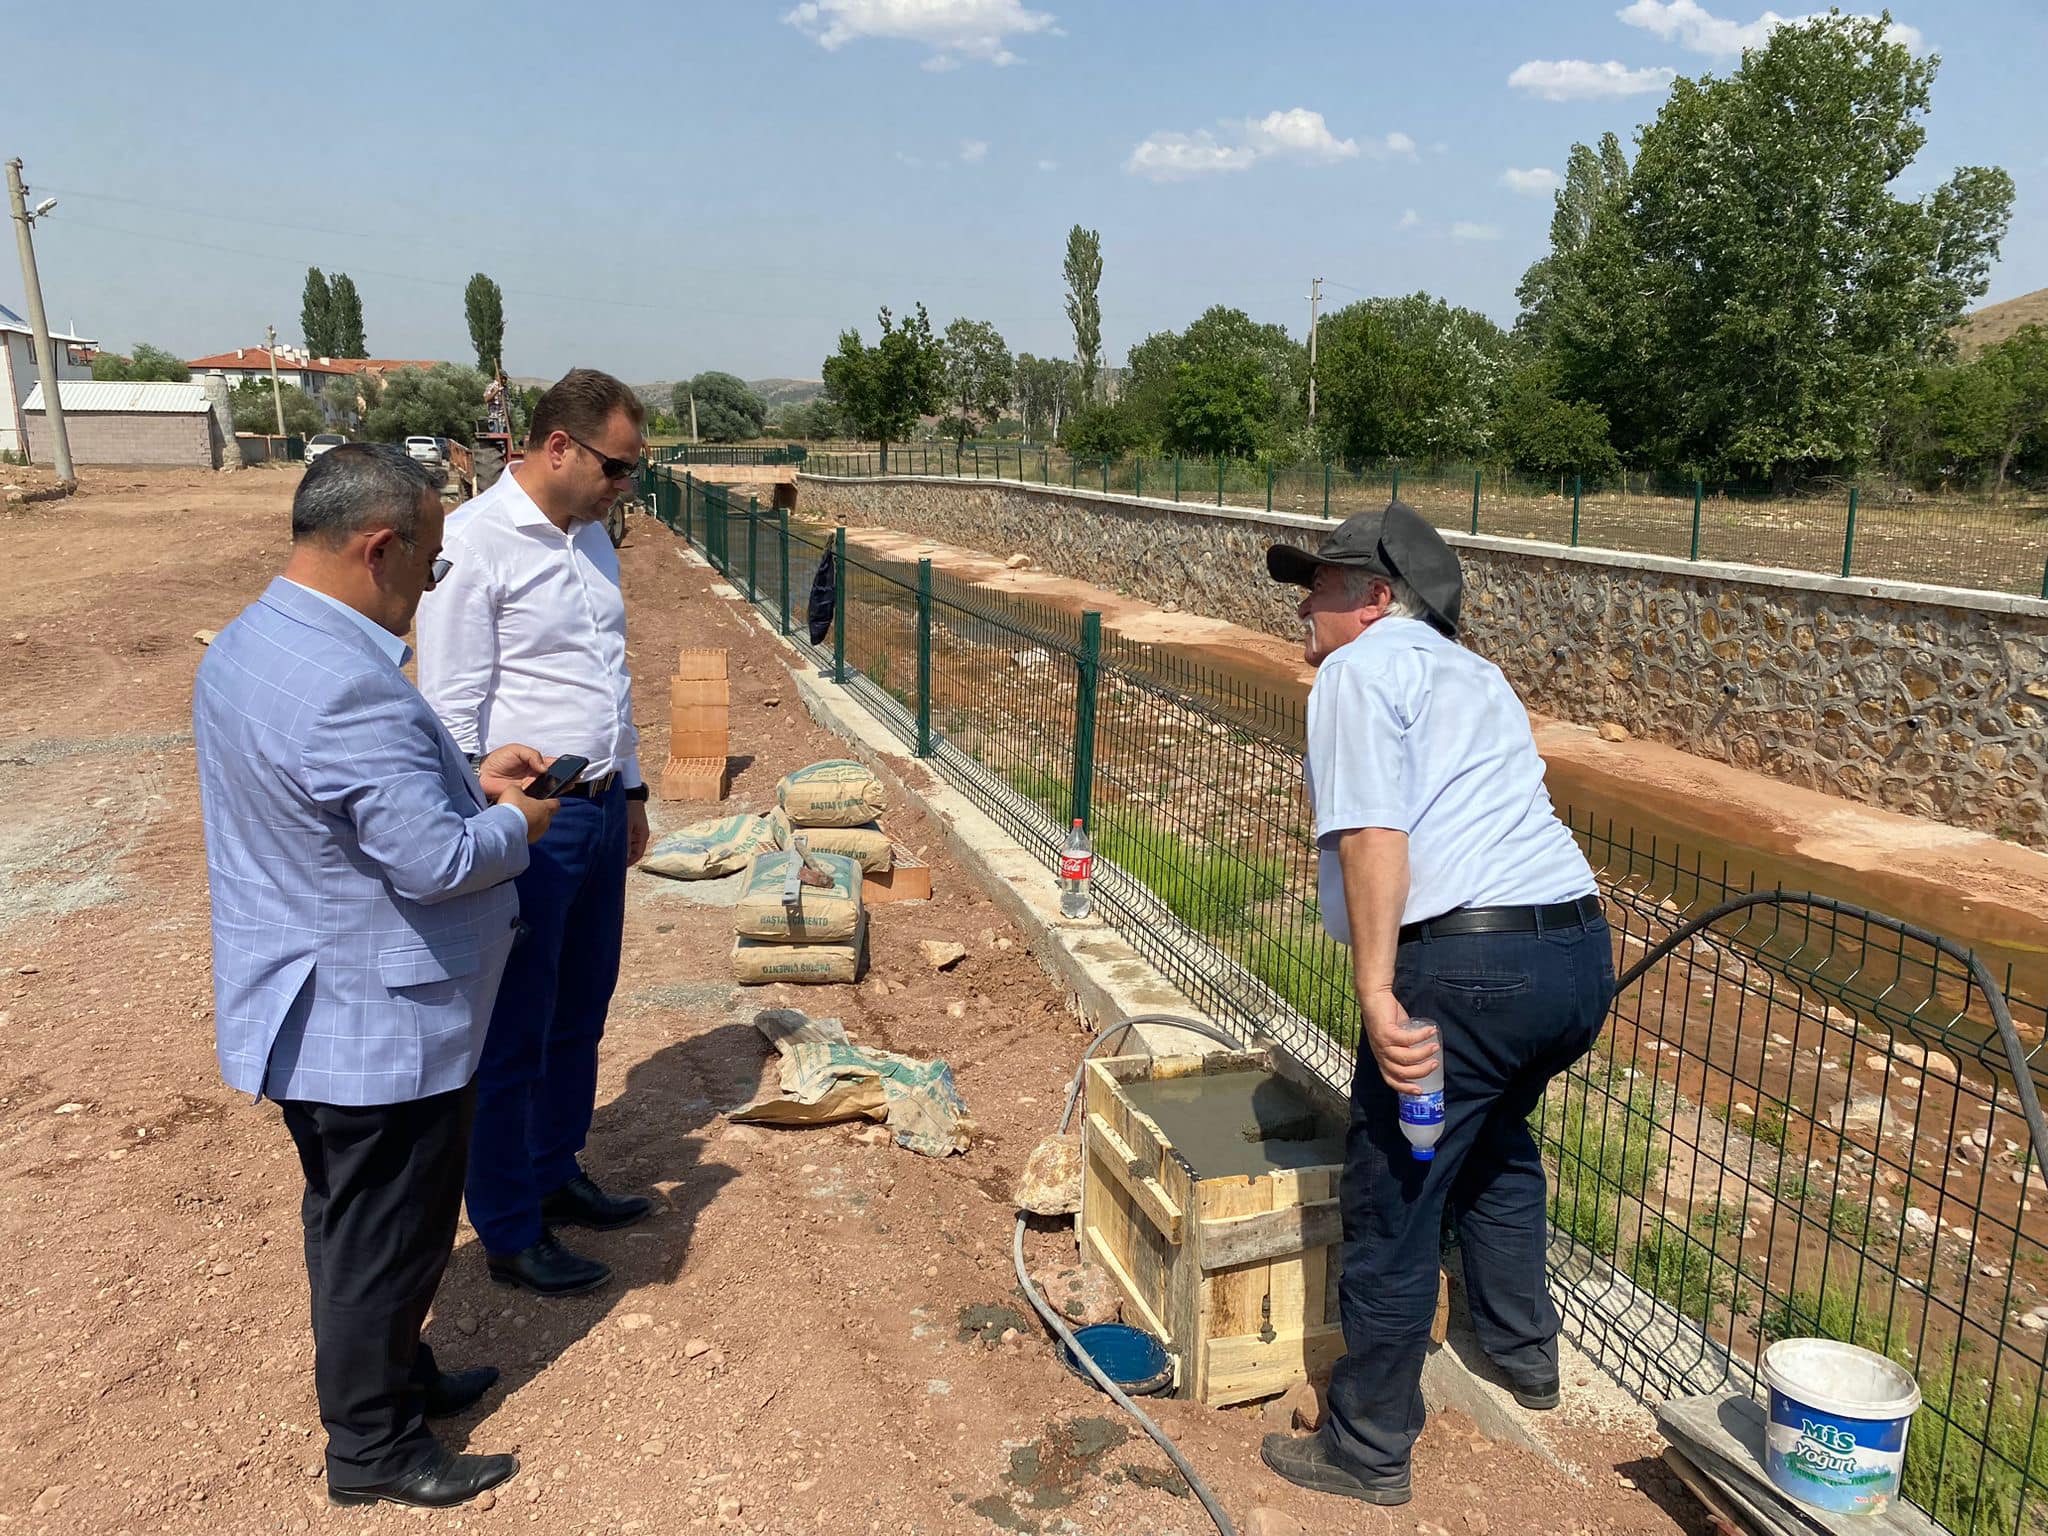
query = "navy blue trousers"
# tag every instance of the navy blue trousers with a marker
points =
(1514, 1010)
(536, 1085)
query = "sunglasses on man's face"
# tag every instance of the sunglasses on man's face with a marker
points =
(609, 467)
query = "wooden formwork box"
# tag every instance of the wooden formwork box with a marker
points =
(1238, 1275)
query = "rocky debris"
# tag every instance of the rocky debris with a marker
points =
(2035, 1321)
(695, 1348)
(1933, 1063)
(1050, 1184)
(1612, 730)
(633, 1322)
(1080, 1292)
(206, 636)
(1919, 1221)
(1304, 1405)
(1266, 1521)
(1017, 562)
(988, 1322)
(941, 954)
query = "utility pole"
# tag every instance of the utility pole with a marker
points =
(1315, 303)
(693, 416)
(46, 356)
(276, 394)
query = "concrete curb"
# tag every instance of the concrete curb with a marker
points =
(1105, 978)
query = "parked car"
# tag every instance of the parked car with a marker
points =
(320, 442)
(427, 450)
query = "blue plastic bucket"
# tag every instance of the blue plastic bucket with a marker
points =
(1839, 1416)
(1130, 1357)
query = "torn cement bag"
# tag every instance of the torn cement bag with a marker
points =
(867, 846)
(830, 1078)
(823, 914)
(834, 793)
(705, 850)
(756, 962)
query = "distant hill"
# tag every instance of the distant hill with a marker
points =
(1994, 322)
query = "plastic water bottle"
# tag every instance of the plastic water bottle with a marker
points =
(1077, 869)
(1422, 1111)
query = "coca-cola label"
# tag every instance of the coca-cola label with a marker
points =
(1076, 866)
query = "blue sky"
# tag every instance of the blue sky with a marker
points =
(663, 189)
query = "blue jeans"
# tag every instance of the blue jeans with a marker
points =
(1514, 1010)
(536, 1085)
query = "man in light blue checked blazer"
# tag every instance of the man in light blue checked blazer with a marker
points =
(362, 914)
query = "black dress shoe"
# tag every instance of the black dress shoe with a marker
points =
(580, 1203)
(1305, 1461)
(450, 1392)
(548, 1269)
(1539, 1395)
(445, 1480)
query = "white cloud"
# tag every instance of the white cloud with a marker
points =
(1692, 26)
(1583, 80)
(1048, 165)
(1409, 219)
(1537, 181)
(978, 30)
(1295, 134)
(1464, 231)
(973, 151)
(913, 161)
(1182, 156)
(1298, 132)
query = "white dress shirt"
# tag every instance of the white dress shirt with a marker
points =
(525, 639)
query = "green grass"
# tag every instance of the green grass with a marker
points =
(1310, 970)
(1767, 1125)
(1600, 1144)
(1680, 1270)
(1849, 1219)
(1718, 1221)
(1207, 886)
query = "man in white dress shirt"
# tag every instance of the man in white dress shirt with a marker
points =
(526, 641)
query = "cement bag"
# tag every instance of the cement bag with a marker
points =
(824, 915)
(834, 793)
(867, 846)
(707, 849)
(755, 962)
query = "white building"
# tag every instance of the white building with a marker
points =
(19, 373)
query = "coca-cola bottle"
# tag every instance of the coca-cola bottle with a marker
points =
(1077, 870)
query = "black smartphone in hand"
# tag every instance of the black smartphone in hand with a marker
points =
(561, 773)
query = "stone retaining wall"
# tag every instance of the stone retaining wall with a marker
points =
(1925, 700)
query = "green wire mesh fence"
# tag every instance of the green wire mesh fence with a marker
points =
(1802, 1121)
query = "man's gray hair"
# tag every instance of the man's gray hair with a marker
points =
(1358, 585)
(359, 487)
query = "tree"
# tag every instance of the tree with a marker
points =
(728, 411)
(1045, 393)
(149, 365)
(1224, 344)
(1408, 378)
(483, 303)
(980, 374)
(523, 403)
(2018, 397)
(1100, 431)
(1219, 407)
(253, 411)
(446, 400)
(882, 390)
(345, 333)
(1083, 272)
(1782, 298)
(316, 314)
(1545, 434)
(805, 420)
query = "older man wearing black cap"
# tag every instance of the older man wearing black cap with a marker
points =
(1467, 904)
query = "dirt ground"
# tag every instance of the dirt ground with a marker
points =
(783, 1349)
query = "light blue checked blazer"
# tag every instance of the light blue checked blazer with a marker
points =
(362, 905)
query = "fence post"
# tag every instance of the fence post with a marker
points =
(2044, 581)
(1577, 488)
(1326, 487)
(1176, 477)
(1105, 476)
(1477, 475)
(840, 611)
(1395, 493)
(1073, 473)
(753, 522)
(1138, 475)
(1695, 518)
(1269, 487)
(1849, 534)
(924, 656)
(1044, 466)
(1219, 481)
(782, 518)
(689, 507)
(1087, 667)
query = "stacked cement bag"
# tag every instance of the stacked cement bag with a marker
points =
(819, 941)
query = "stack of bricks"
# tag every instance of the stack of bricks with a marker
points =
(699, 715)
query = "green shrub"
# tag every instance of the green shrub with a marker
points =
(1679, 1270)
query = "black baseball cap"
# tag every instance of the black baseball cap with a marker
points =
(1396, 541)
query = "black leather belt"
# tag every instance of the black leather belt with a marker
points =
(1563, 914)
(589, 789)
